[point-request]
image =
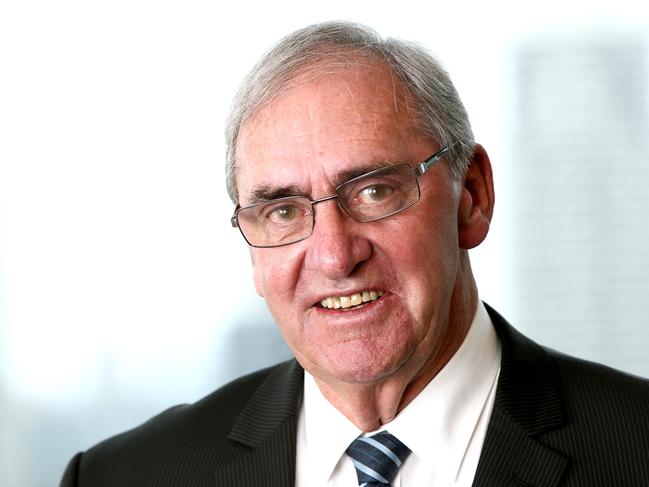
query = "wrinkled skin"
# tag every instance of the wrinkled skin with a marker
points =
(372, 360)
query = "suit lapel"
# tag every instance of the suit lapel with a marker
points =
(267, 427)
(527, 404)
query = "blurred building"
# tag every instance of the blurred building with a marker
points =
(579, 179)
(251, 344)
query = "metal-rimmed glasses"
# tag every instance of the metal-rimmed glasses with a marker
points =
(366, 198)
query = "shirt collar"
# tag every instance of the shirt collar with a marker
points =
(328, 432)
(437, 425)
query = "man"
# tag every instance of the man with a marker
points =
(359, 189)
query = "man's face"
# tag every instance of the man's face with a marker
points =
(307, 142)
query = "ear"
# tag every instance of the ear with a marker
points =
(476, 200)
(256, 271)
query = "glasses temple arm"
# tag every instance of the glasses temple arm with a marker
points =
(424, 166)
(234, 220)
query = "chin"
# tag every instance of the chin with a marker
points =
(364, 371)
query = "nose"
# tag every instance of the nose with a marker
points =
(337, 247)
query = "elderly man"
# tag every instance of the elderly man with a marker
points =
(359, 189)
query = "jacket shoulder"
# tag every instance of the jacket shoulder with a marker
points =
(557, 416)
(606, 432)
(599, 391)
(215, 412)
(185, 442)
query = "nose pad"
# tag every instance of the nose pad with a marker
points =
(338, 246)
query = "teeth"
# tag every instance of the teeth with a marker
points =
(337, 302)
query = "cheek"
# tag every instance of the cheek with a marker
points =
(276, 273)
(439, 261)
(426, 263)
(426, 243)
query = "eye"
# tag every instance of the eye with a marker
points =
(282, 214)
(375, 193)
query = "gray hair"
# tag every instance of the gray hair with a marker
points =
(437, 108)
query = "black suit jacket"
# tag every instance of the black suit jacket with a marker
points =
(556, 421)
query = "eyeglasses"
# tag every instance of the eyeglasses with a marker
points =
(366, 198)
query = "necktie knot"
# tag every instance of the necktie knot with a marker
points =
(377, 458)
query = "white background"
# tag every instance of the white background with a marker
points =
(119, 272)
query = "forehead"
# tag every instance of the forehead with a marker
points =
(323, 125)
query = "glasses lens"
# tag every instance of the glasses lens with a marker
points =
(379, 193)
(278, 222)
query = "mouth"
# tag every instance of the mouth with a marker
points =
(355, 300)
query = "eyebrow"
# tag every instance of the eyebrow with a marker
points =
(264, 192)
(344, 176)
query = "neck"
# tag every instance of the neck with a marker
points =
(371, 405)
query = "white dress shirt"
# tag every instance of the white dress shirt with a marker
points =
(444, 426)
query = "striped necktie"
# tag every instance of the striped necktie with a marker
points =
(377, 458)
